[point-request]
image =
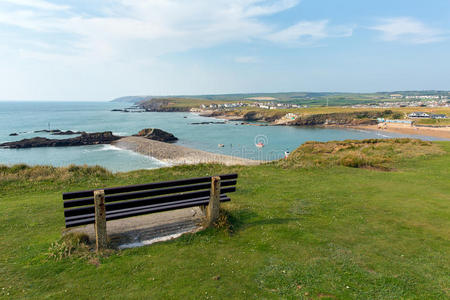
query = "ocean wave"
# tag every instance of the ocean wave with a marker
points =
(130, 152)
(120, 133)
(383, 135)
(107, 148)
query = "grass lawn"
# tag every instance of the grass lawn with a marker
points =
(317, 232)
(434, 122)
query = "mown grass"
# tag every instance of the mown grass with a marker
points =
(298, 233)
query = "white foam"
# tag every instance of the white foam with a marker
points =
(109, 147)
(383, 135)
(120, 133)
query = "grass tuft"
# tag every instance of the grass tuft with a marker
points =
(70, 245)
(224, 222)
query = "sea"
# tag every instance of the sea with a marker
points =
(239, 140)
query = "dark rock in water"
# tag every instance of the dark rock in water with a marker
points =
(47, 131)
(13, 134)
(157, 135)
(206, 123)
(68, 132)
(59, 132)
(84, 139)
(130, 110)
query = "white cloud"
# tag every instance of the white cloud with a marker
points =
(120, 46)
(304, 33)
(39, 4)
(137, 28)
(408, 30)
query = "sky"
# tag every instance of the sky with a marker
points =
(97, 50)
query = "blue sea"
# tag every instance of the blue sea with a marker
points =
(239, 140)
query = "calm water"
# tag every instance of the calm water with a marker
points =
(239, 140)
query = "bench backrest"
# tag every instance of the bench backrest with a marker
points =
(135, 200)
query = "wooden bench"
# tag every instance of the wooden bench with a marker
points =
(101, 205)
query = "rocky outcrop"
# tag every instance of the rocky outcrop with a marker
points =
(207, 123)
(157, 135)
(68, 132)
(84, 139)
(260, 116)
(350, 118)
(13, 134)
(59, 132)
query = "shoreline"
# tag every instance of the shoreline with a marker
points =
(178, 155)
(427, 131)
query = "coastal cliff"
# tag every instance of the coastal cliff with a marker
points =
(310, 119)
(162, 105)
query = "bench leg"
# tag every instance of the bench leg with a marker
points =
(100, 220)
(213, 208)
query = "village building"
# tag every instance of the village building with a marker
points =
(418, 114)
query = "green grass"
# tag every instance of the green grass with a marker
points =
(316, 99)
(349, 233)
(434, 122)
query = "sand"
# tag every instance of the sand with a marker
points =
(175, 155)
(439, 132)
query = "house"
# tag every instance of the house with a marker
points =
(439, 116)
(396, 96)
(418, 114)
(291, 116)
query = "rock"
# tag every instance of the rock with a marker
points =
(13, 134)
(206, 123)
(157, 135)
(84, 139)
(48, 131)
(68, 132)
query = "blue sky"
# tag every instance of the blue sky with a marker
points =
(99, 50)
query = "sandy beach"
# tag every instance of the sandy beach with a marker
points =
(439, 132)
(176, 155)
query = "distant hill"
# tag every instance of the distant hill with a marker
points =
(302, 98)
(132, 99)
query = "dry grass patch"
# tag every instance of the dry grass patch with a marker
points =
(70, 245)
(42, 173)
(370, 153)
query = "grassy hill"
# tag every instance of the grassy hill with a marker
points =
(304, 231)
(303, 98)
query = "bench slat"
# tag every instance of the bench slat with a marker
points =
(142, 202)
(138, 212)
(147, 193)
(91, 215)
(147, 186)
